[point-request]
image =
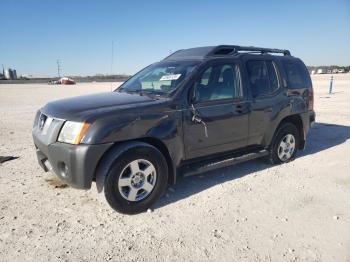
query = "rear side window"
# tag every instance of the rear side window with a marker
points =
(297, 75)
(263, 77)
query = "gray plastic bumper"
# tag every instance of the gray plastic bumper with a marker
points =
(312, 118)
(75, 164)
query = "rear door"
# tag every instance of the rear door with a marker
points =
(267, 97)
(220, 109)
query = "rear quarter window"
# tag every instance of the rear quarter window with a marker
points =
(297, 75)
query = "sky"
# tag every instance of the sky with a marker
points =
(80, 33)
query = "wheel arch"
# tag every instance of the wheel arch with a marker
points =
(157, 143)
(120, 147)
(298, 122)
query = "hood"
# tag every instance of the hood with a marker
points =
(81, 107)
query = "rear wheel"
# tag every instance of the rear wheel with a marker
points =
(136, 180)
(285, 144)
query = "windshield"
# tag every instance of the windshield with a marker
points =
(159, 78)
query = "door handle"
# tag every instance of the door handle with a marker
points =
(239, 109)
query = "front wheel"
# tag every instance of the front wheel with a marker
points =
(285, 144)
(136, 180)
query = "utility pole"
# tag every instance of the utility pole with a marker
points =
(58, 68)
(112, 58)
(112, 61)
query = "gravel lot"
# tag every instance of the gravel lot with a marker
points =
(298, 211)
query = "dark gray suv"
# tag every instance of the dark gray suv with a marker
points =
(196, 110)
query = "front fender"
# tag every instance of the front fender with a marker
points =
(165, 126)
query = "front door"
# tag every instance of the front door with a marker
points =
(216, 120)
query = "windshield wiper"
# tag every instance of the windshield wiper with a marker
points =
(155, 93)
(129, 91)
(144, 92)
(152, 91)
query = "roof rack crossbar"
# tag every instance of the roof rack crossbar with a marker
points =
(221, 50)
(235, 49)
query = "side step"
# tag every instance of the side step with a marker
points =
(208, 165)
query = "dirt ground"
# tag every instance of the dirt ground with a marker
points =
(298, 211)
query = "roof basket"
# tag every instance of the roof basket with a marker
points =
(236, 49)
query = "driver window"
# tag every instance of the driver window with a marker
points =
(219, 82)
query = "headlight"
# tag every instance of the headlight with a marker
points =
(73, 132)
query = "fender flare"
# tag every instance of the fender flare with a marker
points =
(110, 157)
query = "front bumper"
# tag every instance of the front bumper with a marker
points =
(74, 164)
(312, 118)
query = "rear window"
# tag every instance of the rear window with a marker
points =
(297, 75)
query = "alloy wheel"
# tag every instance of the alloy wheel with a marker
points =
(137, 180)
(286, 147)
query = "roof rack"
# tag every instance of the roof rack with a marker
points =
(221, 50)
(236, 49)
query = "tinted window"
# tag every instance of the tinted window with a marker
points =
(219, 82)
(263, 77)
(205, 77)
(297, 75)
(273, 76)
(159, 78)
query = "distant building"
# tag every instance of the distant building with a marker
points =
(10, 74)
(321, 71)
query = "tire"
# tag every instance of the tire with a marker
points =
(136, 179)
(285, 144)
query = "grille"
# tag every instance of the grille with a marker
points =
(44, 123)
